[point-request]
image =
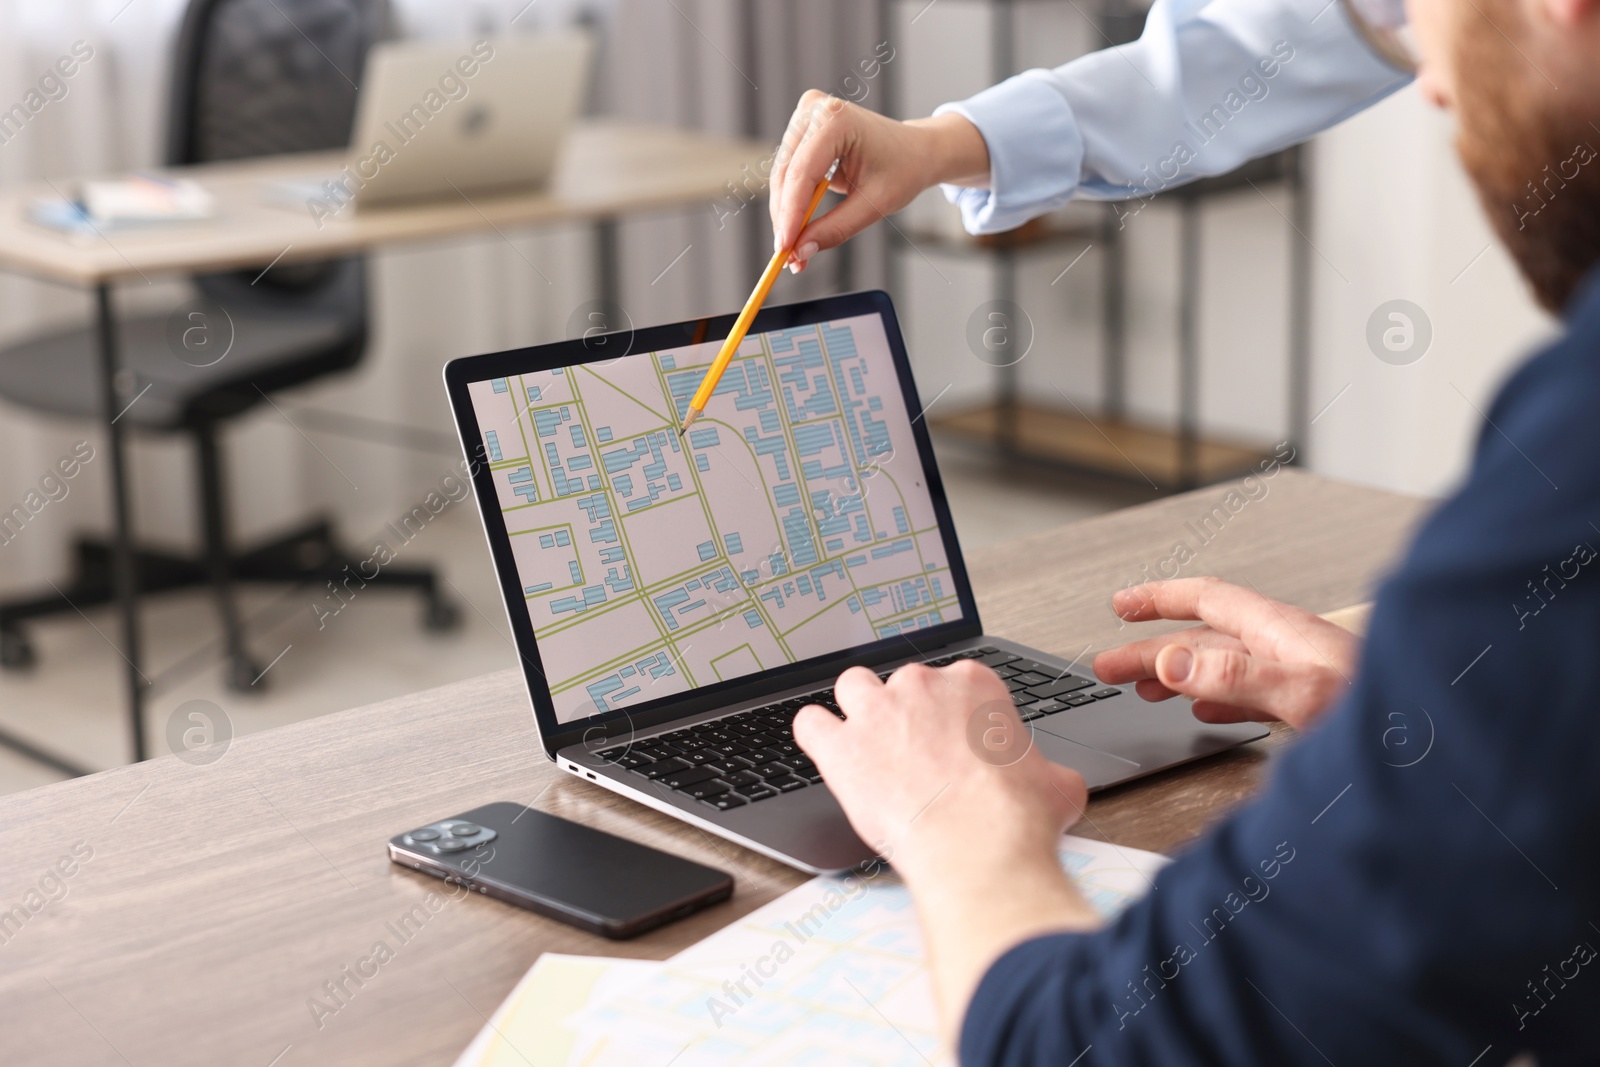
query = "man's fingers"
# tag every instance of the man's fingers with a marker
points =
(1222, 605)
(1152, 690)
(818, 732)
(855, 686)
(1294, 693)
(1137, 659)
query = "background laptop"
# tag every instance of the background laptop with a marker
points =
(466, 115)
(674, 603)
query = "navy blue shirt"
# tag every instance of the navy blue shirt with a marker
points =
(1420, 881)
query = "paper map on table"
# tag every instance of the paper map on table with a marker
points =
(532, 1027)
(831, 973)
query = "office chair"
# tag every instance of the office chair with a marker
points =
(252, 78)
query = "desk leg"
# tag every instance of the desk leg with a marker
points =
(1189, 343)
(608, 264)
(125, 576)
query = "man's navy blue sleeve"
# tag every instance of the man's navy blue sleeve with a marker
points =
(1418, 882)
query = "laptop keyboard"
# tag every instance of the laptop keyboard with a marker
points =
(751, 756)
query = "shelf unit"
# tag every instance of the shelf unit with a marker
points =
(1105, 443)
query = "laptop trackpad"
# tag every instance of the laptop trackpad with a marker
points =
(1098, 768)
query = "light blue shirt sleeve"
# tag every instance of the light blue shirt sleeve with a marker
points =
(1209, 85)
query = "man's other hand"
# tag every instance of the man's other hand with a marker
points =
(1254, 659)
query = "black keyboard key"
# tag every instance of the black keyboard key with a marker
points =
(680, 779)
(1044, 707)
(814, 779)
(772, 770)
(942, 661)
(784, 748)
(998, 659)
(1029, 714)
(612, 753)
(661, 768)
(1079, 700)
(1101, 694)
(698, 756)
(1066, 684)
(1022, 699)
(787, 784)
(632, 761)
(758, 791)
(1006, 672)
(743, 778)
(706, 790)
(727, 801)
(1031, 678)
(986, 650)
(1016, 685)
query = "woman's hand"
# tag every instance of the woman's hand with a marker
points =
(883, 165)
(1254, 659)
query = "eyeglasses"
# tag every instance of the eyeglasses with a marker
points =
(1382, 24)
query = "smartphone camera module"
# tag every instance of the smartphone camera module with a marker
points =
(449, 836)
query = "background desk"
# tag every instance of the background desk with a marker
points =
(221, 897)
(607, 169)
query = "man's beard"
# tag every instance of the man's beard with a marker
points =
(1532, 159)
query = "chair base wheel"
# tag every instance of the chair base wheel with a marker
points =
(440, 615)
(16, 651)
(244, 676)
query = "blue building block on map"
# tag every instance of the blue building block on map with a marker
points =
(732, 543)
(499, 385)
(702, 462)
(547, 540)
(491, 442)
(752, 618)
(707, 550)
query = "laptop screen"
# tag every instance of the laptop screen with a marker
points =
(792, 521)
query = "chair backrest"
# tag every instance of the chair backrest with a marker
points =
(271, 77)
(268, 77)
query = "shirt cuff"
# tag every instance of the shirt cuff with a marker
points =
(1035, 153)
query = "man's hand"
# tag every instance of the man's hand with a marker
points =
(883, 165)
(936, 771)
(1254, 659)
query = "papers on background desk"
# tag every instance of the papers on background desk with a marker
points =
(833, 973)
(139, 202)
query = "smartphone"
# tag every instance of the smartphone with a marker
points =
(561, 869)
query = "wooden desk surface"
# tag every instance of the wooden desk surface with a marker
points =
(219, 898)
(606, 168)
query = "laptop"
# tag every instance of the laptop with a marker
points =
(676, 601)
(443, 119)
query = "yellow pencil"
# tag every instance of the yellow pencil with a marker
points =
(741, 325)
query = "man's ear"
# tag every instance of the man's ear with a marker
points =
(1570, 13)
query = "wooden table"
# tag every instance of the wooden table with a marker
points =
(607, 169)
(220, 898)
